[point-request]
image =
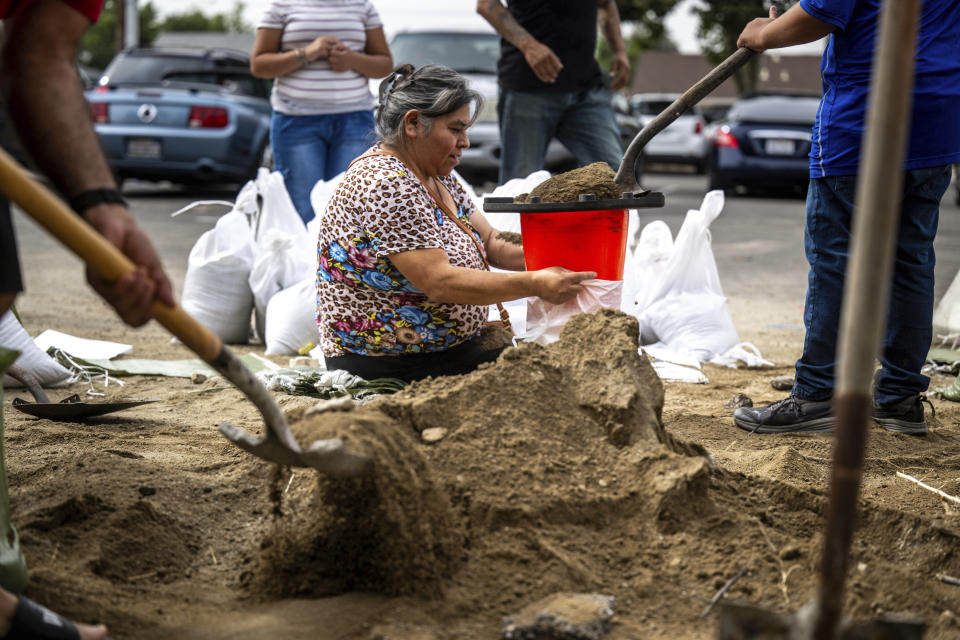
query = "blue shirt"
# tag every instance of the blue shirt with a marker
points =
(845, 71)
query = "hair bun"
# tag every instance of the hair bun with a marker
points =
(402, 72)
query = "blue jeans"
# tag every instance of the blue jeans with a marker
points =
(583, 121)
(909, 328)
(307, 149)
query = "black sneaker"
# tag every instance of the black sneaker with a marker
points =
(786, 416)
(905, 416)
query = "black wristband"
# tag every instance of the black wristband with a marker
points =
(92, 197)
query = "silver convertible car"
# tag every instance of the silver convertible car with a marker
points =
(184, 115)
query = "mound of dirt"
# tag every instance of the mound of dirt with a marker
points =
(596, 178)
(574, 436)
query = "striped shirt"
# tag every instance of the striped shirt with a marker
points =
(316, 88)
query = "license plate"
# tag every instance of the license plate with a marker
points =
(143, 149)
(779, 147)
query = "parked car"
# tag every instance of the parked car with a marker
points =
(682, 141)
(473, 52)
(764, 142)
(185, 115)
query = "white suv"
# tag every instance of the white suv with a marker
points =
(683, 141)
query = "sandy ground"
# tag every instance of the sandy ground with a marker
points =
(151, 522)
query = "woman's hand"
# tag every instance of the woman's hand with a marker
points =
(556, 284)
(321, 48)
(341, 57)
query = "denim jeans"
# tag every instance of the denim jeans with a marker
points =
(307, 149)
(909, 327)
(583, 121)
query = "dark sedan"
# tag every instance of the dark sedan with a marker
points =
(764, 143)
(185, 115)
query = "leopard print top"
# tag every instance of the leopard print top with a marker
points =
(364, 304)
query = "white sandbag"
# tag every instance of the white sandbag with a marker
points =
(320, 195)
(279, 264)
(680, 302)
(946, 316)
(545, 320)
(512, 188)
(45, 369)
(283, 252)
(291, 319)
(645, 264)
(276, 209)
(216, 290)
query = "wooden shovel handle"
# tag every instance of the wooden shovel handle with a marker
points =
(102, 257)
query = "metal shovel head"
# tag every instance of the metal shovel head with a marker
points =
(73, 408)
(745, 622)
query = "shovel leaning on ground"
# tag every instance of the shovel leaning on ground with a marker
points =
(278, 444)
(865, 301)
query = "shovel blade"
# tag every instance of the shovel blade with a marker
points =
(326, 456)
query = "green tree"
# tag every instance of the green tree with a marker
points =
(99, 43)
(196, 20)
(643, 30)
(721, 22)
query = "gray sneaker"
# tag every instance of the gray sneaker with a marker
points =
(905, 416)
(790, 415)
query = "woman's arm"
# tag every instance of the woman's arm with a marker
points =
(267, 61)
(374, 62)
(500, 253)
(430, 271)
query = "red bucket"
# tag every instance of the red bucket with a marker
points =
(576, 240)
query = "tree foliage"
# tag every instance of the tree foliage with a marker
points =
(99, 43)
(721, 22)
(643, 30)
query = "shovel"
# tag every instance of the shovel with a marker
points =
(278, 444)
(70, 408)
(865, 301)
(627, 172)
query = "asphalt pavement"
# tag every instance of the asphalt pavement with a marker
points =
(757, 242)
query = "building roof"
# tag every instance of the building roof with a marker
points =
(663, 72)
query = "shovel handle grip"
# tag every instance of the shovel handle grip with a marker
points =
(102, 257)
(627, 173)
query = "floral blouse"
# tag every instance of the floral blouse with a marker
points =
(364, 304)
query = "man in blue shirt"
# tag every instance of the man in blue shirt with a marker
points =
(934, 143)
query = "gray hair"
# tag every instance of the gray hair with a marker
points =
(433, 90)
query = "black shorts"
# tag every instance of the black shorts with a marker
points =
(10, 279)
(463, 358)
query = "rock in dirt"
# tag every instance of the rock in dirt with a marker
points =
(737, 401)
(596, 178)
(562, 616)
(782, 383)
(434, 434)
(198, 378)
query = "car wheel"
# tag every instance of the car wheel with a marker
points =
(956, 199)
(700, 167)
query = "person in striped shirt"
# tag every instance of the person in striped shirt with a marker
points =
(321, 53)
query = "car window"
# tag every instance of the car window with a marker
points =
(462, 52)
(798, 109)
(652, 107)
(131, 69)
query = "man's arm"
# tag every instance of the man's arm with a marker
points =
(540, 57)
(794, 27)
(45, 100)
(608, 19)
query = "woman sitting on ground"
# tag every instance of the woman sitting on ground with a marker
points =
(403, 285)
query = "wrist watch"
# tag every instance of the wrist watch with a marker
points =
(92, 197)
